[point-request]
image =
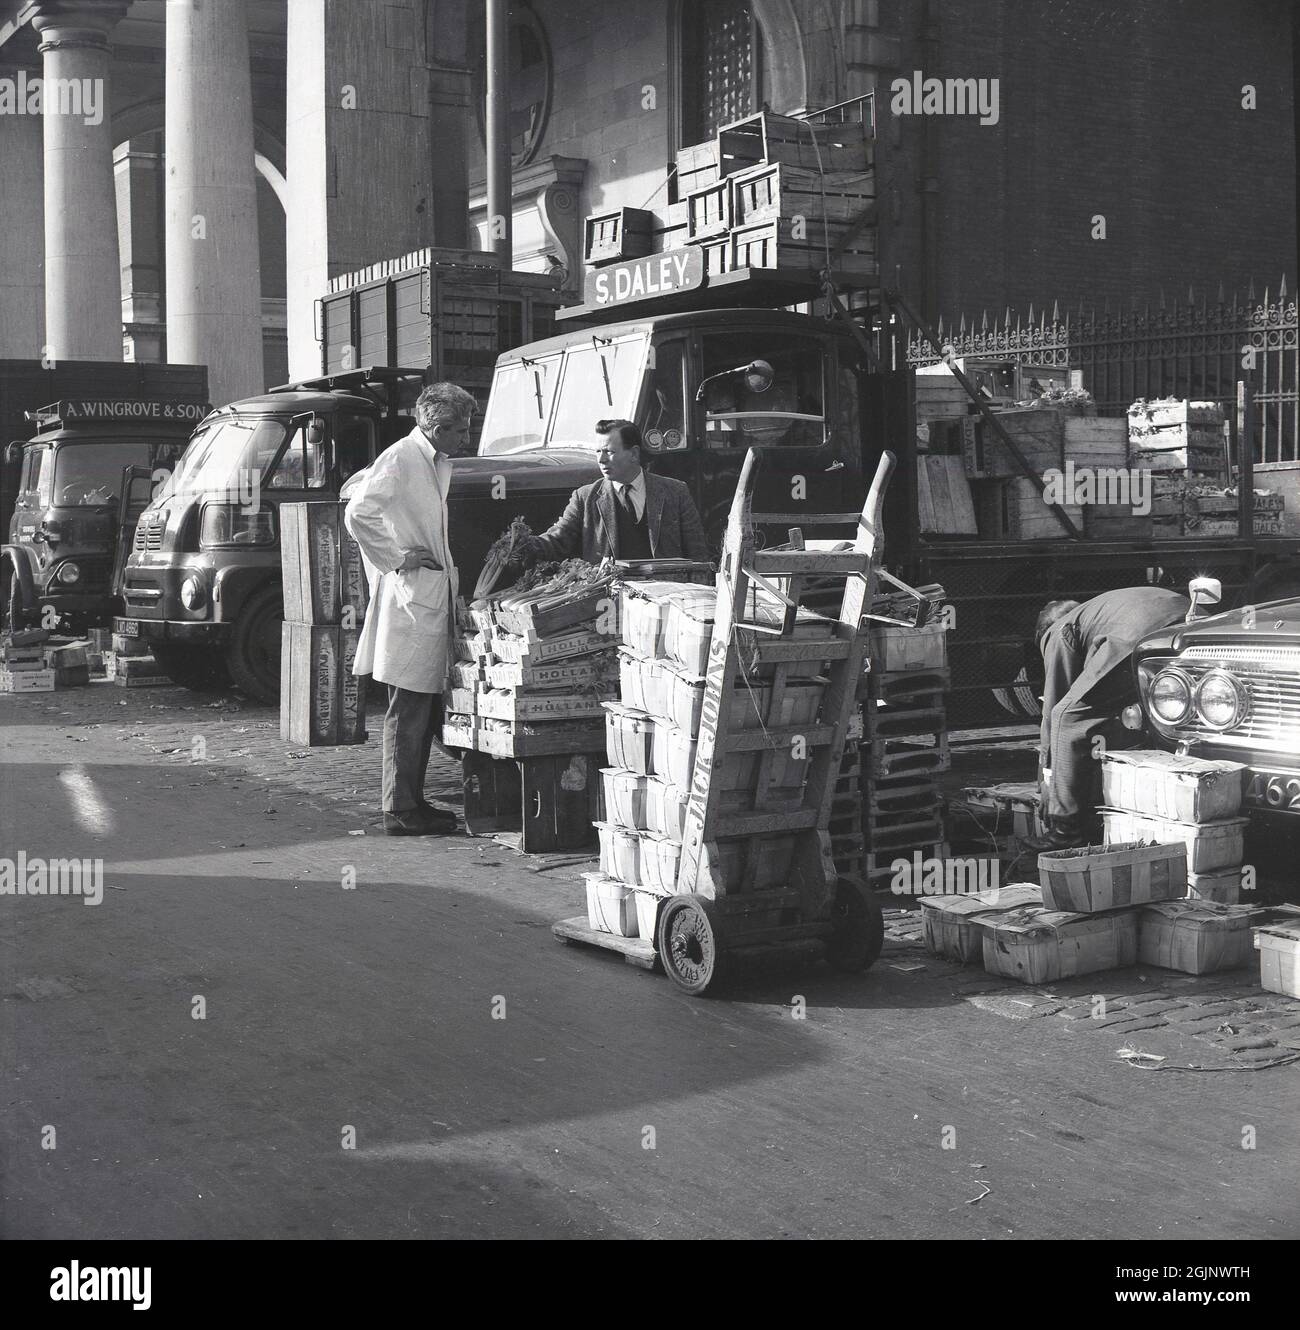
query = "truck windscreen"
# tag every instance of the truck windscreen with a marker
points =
(790, 413)
(520, 405)
(602, 381)
(229, 456)
(87, 474)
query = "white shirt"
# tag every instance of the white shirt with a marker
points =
(636, 489)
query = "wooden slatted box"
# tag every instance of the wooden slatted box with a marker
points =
(321, 570)
(322, 703)
(767, 192)
(1185, 788)
(1037, 946)
(1039, 433)
(621, 233)
(708, 211)
(1211, 846)
(1015, 510)
(767, 137)
(1196, 937)
(773, 244)
(951, 923)
(696, 168)
(1094, 878)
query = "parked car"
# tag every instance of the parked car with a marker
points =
(1228, 687)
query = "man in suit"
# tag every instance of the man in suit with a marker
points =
(1087, 652)
(630, 514)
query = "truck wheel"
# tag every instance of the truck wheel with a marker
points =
(192, 667)
(253, 655)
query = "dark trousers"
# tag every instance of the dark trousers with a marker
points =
(410, 723)
(1077, 722)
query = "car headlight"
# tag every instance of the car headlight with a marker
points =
(70, 572)
(193, 593)
(233, 524)
(1171, 696)
(1220, 700)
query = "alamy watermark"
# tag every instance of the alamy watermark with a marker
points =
(924, 875)
(919, 95)
(1122, 487)
(53, 877)
(21, 95)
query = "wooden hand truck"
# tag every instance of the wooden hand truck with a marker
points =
(763, 880)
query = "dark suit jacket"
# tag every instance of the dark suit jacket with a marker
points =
(588, 526)
(1090, 642)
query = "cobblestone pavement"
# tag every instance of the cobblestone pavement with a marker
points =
(1222, 1021)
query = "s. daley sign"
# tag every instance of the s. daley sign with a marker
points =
(654, 275)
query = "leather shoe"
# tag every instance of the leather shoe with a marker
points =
(1054, 840)
(425, 821)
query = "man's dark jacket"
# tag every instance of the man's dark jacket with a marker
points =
(589, 524)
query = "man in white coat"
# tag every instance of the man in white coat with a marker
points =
(397, 513)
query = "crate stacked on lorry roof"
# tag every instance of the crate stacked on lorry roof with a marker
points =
(1182, 437)
(1164, 797)
(322, 703)
(652, 733)
(769, 191)
(904, 747)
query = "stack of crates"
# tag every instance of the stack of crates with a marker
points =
(322, 703)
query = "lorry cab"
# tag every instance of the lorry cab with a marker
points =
(64, 532)
(704, 387)
(202, 583)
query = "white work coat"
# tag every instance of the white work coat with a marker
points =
(395, 504)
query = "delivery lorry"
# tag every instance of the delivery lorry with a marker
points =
(69, 525)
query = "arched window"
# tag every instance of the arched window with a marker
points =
(722, 65)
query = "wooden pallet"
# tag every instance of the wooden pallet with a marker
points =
(897, 686)
(898, 758)
(638, 951)
(894, 723)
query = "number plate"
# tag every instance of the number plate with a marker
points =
(127, 627)
(1279, 792)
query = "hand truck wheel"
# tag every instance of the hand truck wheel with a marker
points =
(858, 929)
(688, 942)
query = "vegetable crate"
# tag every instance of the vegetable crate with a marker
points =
(761, 880)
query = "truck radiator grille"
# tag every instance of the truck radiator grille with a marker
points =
(149, 533)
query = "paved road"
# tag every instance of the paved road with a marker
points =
(371, 1009)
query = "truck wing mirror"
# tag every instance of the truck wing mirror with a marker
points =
(316, 431)
(1203, 591)
(759, 376)
(14, 452)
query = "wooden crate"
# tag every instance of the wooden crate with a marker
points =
(774, 244)
(1196, 937)
(551, 800)
(708, 211)
(671, 227)
(1109, 877)
(27, 681)
(717, 255)
(1116, 522)
(1038, 433)
(1037, 946)
(696, 168)
(1279, 958)
(621, 233)
(894, 647)
(134, 671)
(1187, 789)
(1014, 510)
(320, 566)
(1096, 441)
(539, 620)
(1222, 887)
(322, 703)
(768, 192)
(938, 394)
(944, 503)
(1167, 412)
(565, 675)
(950, 924)
(1211, 846)
(503, 704)
(767, 137)
(529, 649)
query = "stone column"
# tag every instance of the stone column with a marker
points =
(22, 274)
(83, 309)
(138, 167)
(213, 277)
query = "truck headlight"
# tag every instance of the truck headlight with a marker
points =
(233, 524)
(193, 593)
(69, 573)
(1220, 701)
(1171, 696)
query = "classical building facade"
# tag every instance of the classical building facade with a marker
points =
(251, 149)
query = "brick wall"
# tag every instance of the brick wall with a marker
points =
(1130, 110)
